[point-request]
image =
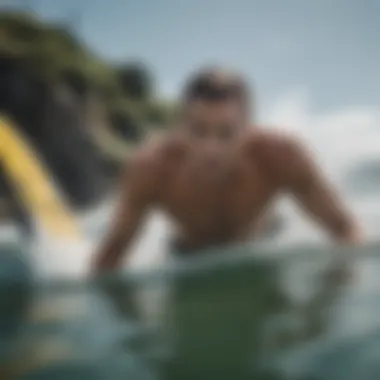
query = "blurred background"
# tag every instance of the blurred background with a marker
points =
(83, 83)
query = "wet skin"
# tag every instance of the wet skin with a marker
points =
(217, 177)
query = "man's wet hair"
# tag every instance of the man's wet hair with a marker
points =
(214, 84)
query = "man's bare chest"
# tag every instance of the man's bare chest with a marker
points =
(225, 199)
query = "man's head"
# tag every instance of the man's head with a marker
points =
(215, 105)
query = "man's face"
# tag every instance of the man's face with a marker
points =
(216, 122)
(213, 127)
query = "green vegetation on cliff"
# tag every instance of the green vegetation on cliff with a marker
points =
(82, 114)
(54, 53)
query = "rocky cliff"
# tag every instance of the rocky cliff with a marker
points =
(81, 113)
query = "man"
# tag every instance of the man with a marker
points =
(216, 176)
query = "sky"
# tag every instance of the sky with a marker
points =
(327, 47)
(314, 65)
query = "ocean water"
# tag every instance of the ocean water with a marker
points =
(338, 337)
(278, 307)
(319, 334)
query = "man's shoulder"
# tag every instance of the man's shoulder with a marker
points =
(155, 152)
(272, 139)
(275, 147)
(142, 170)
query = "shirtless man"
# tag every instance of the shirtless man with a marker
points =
(216, 175)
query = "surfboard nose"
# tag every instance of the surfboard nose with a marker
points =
(33, 184)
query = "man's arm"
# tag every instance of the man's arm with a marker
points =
(135, 198)
(317, 196)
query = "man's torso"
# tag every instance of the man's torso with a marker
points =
(214, 204)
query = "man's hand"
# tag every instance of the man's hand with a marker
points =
(268, 225)
(340, 273)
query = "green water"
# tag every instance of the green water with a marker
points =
(236, 315)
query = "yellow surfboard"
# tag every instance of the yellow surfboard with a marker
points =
(31, 179)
